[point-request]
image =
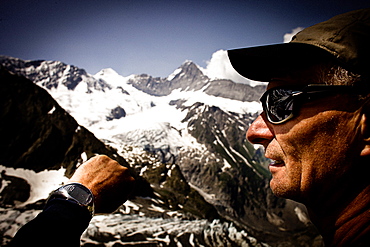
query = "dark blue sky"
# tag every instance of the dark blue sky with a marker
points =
(153, 37)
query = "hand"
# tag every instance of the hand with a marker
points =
(109, 182)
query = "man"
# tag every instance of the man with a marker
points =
(318, 137)
(315, 124)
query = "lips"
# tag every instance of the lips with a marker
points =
(274, 154)
(277, 163)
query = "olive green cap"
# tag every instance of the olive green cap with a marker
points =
(345, 38)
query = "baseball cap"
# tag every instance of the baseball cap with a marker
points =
(344, 38)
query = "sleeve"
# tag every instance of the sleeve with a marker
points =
(61, 223)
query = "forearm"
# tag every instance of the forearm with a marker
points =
(61, 223)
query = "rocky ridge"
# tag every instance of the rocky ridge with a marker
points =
(190, 78)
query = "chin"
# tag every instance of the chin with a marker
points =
(284, 191)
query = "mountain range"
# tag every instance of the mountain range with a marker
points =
(183, 136)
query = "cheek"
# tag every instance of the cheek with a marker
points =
(318, 148)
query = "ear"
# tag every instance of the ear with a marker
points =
(365, 131)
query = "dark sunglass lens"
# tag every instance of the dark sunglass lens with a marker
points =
(279, 104)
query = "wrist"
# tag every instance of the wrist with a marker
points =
(75, 193)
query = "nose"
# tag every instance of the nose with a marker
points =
(259, 132)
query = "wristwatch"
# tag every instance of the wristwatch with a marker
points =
(77, 193)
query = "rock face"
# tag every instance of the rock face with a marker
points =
(218, 187)
(16, 190)
(116, 113)
(37, 134)
(51, 74)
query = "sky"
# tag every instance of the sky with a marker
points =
(152, 37)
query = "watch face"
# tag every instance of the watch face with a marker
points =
(79, 192)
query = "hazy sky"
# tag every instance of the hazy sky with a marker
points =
(153, 37)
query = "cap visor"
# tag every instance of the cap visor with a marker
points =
(262, 63)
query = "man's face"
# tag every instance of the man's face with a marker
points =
(313, 151)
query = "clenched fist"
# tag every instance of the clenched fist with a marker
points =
(110, 183)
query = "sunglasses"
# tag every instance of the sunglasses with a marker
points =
(281, 104)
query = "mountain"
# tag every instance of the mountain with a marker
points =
(189, 77)
(184, 135)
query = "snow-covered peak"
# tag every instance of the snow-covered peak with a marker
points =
(188, 70)
(107, 71)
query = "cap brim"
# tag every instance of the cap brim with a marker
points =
(262, 63)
